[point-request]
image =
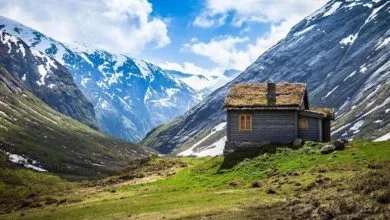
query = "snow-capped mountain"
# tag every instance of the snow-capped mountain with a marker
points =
(45, 78)
(130, 96)
(342, 51)
(205, 84)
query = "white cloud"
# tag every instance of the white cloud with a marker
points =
(222, 51)
(188, 67)
(230, 51)
(207, 19)
(120, 25)
(216, 11)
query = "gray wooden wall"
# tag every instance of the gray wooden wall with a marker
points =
(314, 133)
(273, 126)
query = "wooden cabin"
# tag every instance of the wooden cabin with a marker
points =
(274, 113)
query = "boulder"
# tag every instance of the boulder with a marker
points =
(297, 142)
(345, 141)
(340, 145)
(327, 149)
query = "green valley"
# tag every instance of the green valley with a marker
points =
(280, 183)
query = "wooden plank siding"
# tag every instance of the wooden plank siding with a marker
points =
(314, 131)
(274, 126)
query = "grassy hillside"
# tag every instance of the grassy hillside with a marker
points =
(283, 183)
(30, 128)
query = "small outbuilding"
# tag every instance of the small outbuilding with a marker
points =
(274, 113)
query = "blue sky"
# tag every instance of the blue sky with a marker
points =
(197, 36)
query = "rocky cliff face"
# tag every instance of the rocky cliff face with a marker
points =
(46, 78)
(129, 96)
(342, 51)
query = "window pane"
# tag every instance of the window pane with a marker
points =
(242, 122)
(248, 122)
(303, 123)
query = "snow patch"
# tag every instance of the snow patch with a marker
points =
(86, 59)
(18, 159)
(51, 86)
(374, 13)
(299, 33)
(377, 107)
(329, 93)
(213, 149)
(385, 42)
(383, 138)
(84, 81)
(217, 144)
(340, 129)
(43, 73)
(348, 40)
(333, 8)
(350, 75)
(143, 67)
(355, 128)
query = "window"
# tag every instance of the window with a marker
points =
(245, 122)
(303, 124)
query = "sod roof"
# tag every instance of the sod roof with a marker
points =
(254, 95)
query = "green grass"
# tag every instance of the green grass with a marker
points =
(204, 189)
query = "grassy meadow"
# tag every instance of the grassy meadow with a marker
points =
(281, 183)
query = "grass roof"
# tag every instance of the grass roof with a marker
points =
(255, 95)
(327, 112)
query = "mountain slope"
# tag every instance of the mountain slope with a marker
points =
(130, 96)
(342, 51)
(34, 135)
(45, 77)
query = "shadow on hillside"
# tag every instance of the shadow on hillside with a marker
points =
(238, 156)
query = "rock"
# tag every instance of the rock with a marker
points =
(256, 184)
(339, 145)
(271, 191)
(327, 149)
(297, 142)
